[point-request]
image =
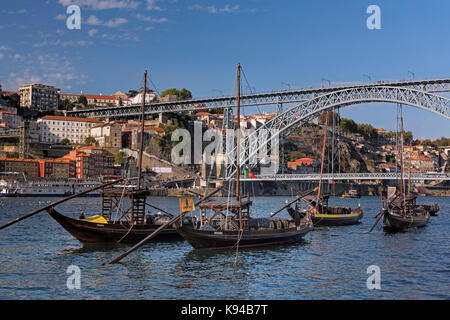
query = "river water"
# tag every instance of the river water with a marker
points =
(331, 263)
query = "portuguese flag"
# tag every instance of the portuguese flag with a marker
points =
(249, 175)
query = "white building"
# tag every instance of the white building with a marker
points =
(108, 135)
(53, 129)
(149, 97)
(39, 97)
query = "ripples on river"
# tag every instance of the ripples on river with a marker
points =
(330, 263)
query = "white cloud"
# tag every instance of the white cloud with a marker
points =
(151, 5)
(92, 32)
(1, 56)
(4, 48)
(94, 21)
(51, 69)
(59, 43)
(18, 57)
(116, 22)
(213, 9)
(123, 37)
(102, 4)
(150, 19)
(20, 11)
(61, 17)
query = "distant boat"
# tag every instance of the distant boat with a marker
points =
(46, 188)
(432, 209)
(352, 193)
(324, 215)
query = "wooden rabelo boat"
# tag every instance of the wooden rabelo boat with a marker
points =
(131, 226)
(228, 224)
(399, 209)
(113, 224)
(401, 212)
(324, 215)
(317, 204)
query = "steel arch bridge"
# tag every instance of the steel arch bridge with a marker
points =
(304, 112)
(254, 99)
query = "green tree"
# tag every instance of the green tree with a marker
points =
(66, 105)
(132, 93)
(82, 100)
(182, 94)
(348, 125)
(118, 158)
(185, 94)
(65, 141)
(90, 141)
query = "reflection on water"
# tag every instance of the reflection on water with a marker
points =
(330, 263)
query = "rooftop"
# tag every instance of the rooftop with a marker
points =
(61, 118)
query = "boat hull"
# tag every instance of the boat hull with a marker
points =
(337, 219)
(202, 239)
(97, 233)
(397, 222)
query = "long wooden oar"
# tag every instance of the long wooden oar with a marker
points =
(162, 227)
(380, 215)
(299, 197)
(32, 213)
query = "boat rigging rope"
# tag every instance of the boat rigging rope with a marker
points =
(129, 230)
(241, 232)
(121, 197)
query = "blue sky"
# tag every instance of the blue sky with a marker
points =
(196, 44)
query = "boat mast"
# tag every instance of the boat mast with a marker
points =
(238, 140)
(141, 149)
(402, 184)
(323, 153)
(409, 168)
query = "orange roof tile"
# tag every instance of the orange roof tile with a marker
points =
(71, 119)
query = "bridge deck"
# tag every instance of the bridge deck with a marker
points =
(265, 98)
(349, 176)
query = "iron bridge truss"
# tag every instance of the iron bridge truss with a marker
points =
(286, 122)
(255, 99)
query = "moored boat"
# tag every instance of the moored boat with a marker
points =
(317, 204)
(228, 224)
(231, 230)
(351, 193)
(92, 232)
(399, 209)
(115, 224)
(400, 213)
